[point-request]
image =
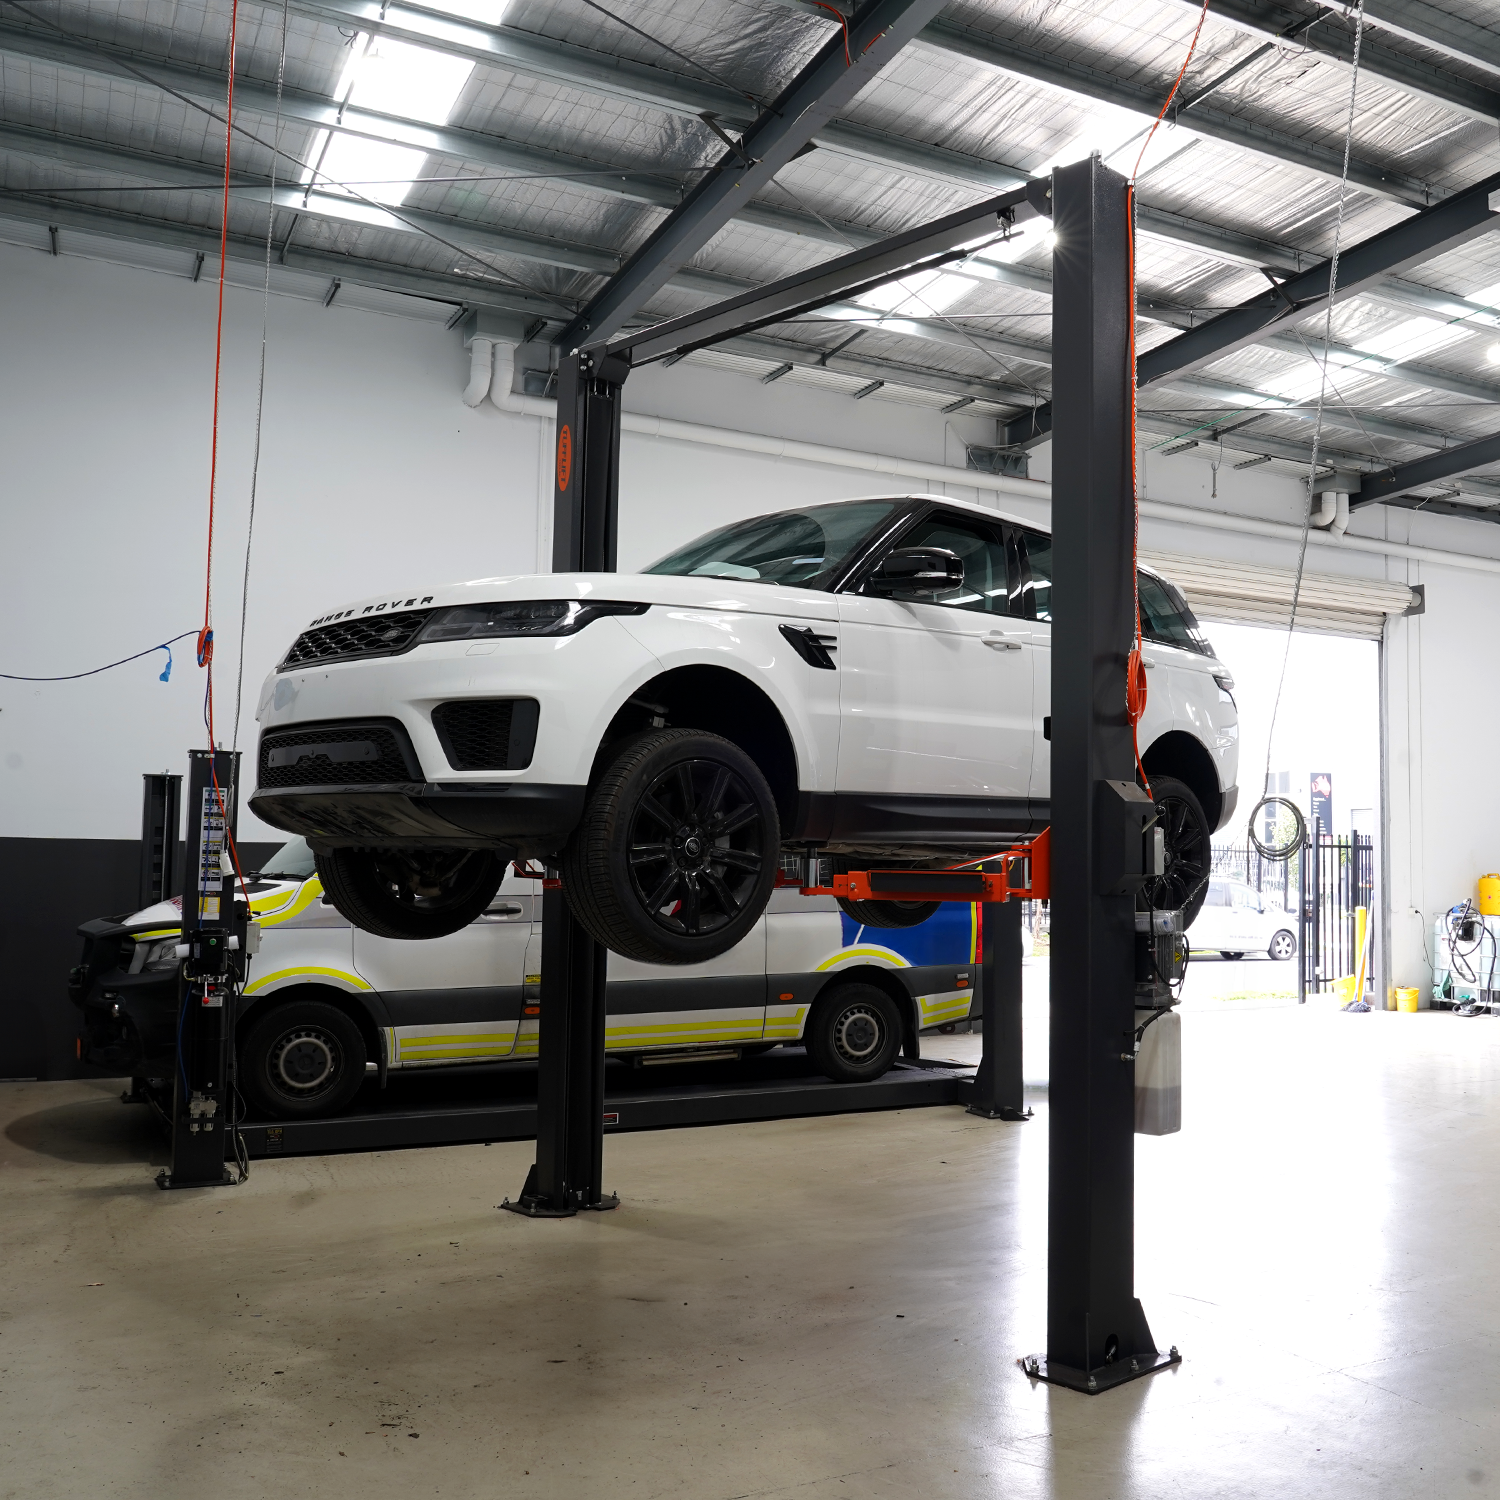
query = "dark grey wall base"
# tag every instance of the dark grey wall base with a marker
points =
(47, 887)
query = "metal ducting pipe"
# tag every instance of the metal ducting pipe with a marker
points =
(481, 361)
(1340, 523)
(503, 378)
(1323, 513)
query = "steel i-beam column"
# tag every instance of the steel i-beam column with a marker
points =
(569, 1167)
(1097, 1335)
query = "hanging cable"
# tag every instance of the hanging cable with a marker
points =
(108, 666)
(260, 390)
(1312, 468)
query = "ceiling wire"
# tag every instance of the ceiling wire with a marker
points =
(191, 103)
(260, 390)
(1312, 469)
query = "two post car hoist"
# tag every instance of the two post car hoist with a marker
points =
(1097, 1334)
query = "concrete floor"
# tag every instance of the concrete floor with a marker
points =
(804, 1309)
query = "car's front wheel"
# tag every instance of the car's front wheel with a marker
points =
(300, 1060)
(853, 1033)
(675, 857)
(1283, 946)
(1183, 885)
(411, 893)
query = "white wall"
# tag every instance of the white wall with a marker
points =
(375, 475)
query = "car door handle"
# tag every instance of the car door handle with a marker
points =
(999, 641)
(501, 912)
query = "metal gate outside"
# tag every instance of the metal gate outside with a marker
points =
(1323, 883)
(1336, 876)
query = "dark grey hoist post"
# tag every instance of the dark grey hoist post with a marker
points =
(213, 931)
(1097, 1334)
(569, 1170)
(997, 1091)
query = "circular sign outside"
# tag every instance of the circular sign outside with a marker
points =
(564, 456)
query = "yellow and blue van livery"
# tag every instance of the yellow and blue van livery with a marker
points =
(326, 1002)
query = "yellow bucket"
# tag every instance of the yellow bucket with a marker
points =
(1344, 988)
(1409, 1000)
(1489, 895)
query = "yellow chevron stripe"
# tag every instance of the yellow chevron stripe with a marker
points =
(844, 954)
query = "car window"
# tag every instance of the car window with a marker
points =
(1036, 580)
(293, 861)
(1166, 618)
(1218, 894)
(986, 586)
(802, 548)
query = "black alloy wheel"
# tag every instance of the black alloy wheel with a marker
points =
(676, 855)
(300, 1060)
(1283, 946)
(1183, 886)
(889, 913)
(412, 894)
(853, 1033)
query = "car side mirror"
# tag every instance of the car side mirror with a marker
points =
(918, 570)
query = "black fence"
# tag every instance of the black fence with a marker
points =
(1337, 876)
(1323, 883)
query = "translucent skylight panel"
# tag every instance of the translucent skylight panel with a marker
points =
(1412, 338)
(927, 292)
(374, 169)
(397, 78)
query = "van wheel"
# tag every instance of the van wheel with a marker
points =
(1184, 884)
(889, 913)
(410, 893)
(854, 1033)
(300, 1060)
(675, 857)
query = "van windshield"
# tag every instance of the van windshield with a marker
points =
(293, 861)
(803, 548)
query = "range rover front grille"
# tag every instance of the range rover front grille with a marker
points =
(366, 635)
(338, 754)
(487, 734)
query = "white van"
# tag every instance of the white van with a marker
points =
(325, 1002)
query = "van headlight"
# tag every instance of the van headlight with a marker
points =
(159, 957)
(477, 622)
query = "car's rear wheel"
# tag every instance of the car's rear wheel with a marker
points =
(300, 1060)
(889, 913)
(1183, 885)
(853, 1033)
(411, 893)
(1283, 946)
(675, 857)
(1225, 953)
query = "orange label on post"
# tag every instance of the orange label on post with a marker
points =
(564, 456)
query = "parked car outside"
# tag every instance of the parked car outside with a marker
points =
(1236, 920)
(870, 678)
(326, 1002)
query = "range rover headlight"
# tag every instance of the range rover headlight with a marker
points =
(478, 622)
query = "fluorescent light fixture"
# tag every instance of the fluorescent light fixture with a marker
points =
(925, 293)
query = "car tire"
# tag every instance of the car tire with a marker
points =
(1184, 885)
(889, 913)
(411, 894)
(301, 1060)
(854, 1033)
(1233, 957)
(658, 870)
(1283, 946)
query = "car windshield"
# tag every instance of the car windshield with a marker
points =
(293, 861)
(801, 548)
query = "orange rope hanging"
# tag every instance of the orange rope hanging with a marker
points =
(1135, 666)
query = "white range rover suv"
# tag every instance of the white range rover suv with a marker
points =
(869, 678)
